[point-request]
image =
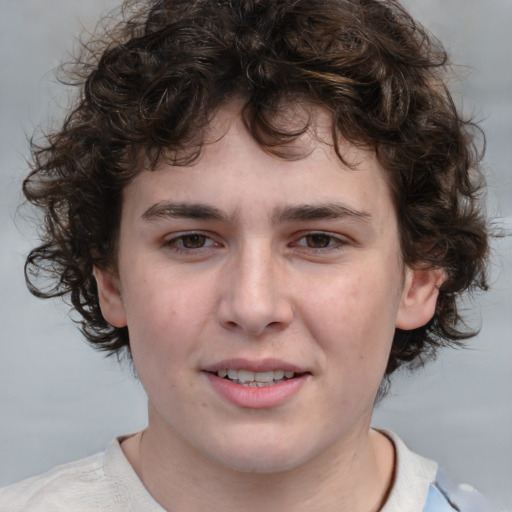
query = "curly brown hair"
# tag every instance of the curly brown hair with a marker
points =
(149, 85)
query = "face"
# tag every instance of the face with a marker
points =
(261, 297)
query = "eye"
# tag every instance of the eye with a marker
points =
(190, 241)
(193, 241)
(319, 241)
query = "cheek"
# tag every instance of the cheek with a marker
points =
(159, 317)
(165, 298)
(161, 343)
(355, 316)
(167, 319)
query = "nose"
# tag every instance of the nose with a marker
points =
(254, 296)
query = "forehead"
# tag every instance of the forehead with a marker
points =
(234, 170)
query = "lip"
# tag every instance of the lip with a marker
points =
(266, 397)
(260, 365)
(255, 397)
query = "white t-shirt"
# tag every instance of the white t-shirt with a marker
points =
(106, 482)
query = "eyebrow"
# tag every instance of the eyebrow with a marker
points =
(312, 212)
(200, 211)
(303, 212)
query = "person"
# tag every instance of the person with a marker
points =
(268, 206)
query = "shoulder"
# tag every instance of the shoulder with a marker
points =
(104, 482)
(446, 496)
(412, 479)
(58, 489)
(419, 486)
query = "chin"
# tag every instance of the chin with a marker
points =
(261, 458)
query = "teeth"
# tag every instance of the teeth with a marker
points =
(279, 374)
(255, 378)
(255, 384)
(243, 375)
(263, 376)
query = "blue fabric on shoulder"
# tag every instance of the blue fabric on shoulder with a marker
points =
(437, 502)
(444, 496)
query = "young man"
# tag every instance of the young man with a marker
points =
(270, 206)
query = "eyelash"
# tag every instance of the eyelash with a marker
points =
(334, 243)
(178, 243)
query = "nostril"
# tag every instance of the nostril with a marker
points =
(241, 308)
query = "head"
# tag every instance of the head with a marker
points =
(150, 88)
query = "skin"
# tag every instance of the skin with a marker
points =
(268, 277)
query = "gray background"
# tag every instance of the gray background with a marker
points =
(59, 400)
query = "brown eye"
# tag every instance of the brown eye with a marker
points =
(318, 241)
(191, 244)
(193, 241)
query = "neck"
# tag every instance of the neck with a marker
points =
(354, 475)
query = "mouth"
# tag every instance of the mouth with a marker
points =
(256, 384)
(259, 379)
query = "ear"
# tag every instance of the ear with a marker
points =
(419, 297)
(109, 295)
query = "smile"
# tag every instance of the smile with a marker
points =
(256, 389)
(255, 379)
